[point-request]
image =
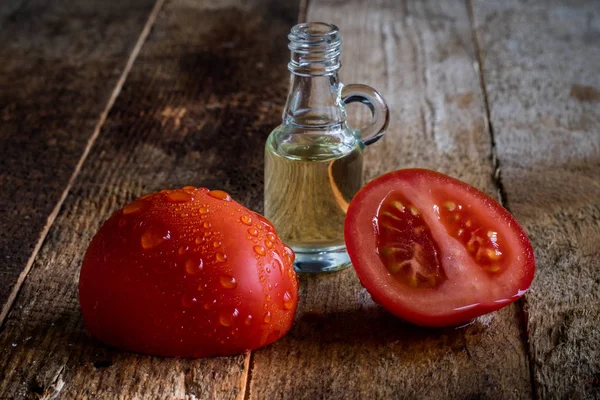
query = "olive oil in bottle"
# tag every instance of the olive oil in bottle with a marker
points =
(308, 190)
(313, 161)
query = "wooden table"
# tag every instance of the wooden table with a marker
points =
(102, 101)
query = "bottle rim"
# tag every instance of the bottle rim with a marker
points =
(316, 48)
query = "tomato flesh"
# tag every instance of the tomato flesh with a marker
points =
(434, 250)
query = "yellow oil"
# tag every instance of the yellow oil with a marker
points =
(307, 191)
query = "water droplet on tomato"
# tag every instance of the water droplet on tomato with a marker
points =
(290, 255)
(288, 301)
(271, 236)
(206, 224)
(248, 320)
(227, 316)
(179, 196)
(266, 223)
(253, 232)
(188, 301)
(267, 317)
(260, 250)
(221, 257)
(209, 305)
(261, 278)
(228, 282)
(203, 210)
(154, 236)
(216, 243)
(269, 244)
(135, 207)
(219, 194)
(246, 220)
(198, 240)
(269, 298)
(193, 266)
(278, 264)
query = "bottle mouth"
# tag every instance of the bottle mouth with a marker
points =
(316, 48)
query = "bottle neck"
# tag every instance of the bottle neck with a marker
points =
(314, 99)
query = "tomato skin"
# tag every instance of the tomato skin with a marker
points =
(468, 291)
(187, 273)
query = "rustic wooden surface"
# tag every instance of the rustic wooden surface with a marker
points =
(541, 66)
(504, 95)
(59, 69)
(343, 345)
(199, 94)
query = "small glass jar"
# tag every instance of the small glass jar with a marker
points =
(314, 160)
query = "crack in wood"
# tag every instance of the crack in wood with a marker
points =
(247, 376)
(52, 217)
(497, 178)
(304, 4)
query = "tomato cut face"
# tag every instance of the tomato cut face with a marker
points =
(435, 251)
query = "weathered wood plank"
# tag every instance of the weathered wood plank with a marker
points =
(541, 61)
(60, 66)
(196, 109)
(421, 56)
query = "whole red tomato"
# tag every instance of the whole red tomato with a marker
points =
(187, 273)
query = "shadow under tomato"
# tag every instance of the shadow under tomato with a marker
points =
(373, 329)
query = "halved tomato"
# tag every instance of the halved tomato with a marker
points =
(435, 251)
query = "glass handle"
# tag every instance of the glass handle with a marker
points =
(379, 110)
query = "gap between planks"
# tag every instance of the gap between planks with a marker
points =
(497, 178)
(111, 101)
(249, 357)
(303, 13)
(247, 376)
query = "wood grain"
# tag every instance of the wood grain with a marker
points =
(196, 109)
(61, 62)
(421, 56)
(541, 61)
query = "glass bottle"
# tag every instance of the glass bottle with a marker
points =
(314, 160)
